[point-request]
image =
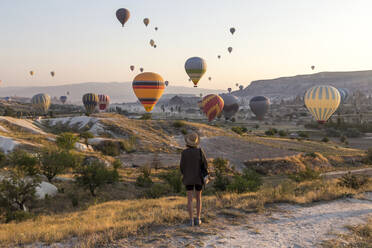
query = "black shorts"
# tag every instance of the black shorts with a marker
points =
(197, 187)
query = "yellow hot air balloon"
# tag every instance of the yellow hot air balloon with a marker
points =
(41, 103)
(148, 87)
(322, 101)
(32, 73)
(152, 42)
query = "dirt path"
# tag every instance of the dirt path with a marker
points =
(283, 225)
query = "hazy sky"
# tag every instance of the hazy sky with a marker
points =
(83, 41)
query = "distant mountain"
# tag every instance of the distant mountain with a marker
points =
(288, 87)
(119, 92)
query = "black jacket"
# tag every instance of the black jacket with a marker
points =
(192, 162)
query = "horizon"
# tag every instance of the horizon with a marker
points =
(272, 40)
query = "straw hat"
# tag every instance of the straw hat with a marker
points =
(192, 139)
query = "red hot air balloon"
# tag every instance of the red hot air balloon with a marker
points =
(103, 102)
(212, 106)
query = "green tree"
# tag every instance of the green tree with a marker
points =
(54, 162)
(66, 141)
(94, 175)
(86, 136)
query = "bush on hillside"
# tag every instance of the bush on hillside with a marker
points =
(144, 179)
(94, 175)
(221, 180)
(352, 181)
(157, 190)
(23, 162)
(271, 132)
(282, 133)
(250, 181)
(128, 145)
(178, 124)
(302, 134)
(239, 130)
(109, 148)
(307, 175)
(86, 135)
(325, 139)
(66, 141)
(146, 116)
(174, 179)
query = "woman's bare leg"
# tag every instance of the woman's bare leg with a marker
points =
(198, 203)
(189, 203)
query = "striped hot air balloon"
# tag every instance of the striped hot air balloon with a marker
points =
(322, 101)
(195, 67)
(90, 101)
(103, 102)
(41, 103)
(63, 99)
(148, 87)
(212, 106)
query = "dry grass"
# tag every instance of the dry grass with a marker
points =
(116, 219)
(359, 236)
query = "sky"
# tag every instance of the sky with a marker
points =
(82, 41)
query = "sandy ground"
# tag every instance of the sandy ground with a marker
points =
(282, 225)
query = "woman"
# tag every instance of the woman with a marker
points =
(193, 168)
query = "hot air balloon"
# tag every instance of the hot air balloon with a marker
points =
(41, 102)
(229, 49)
(209, 78)
(32, 73)
(322, 101)
(212, 106)
(122, 15)
(141, 69)
(152, 42)
(103, 102)
(259, 106)
(229, 90)
(237, 85)
(195, 67)
(219, 56)
(146, 21)
(90, 101)
(344, 93)
(231, 105)
(63, 99)
(232, 30)
(132, 67)
(52, 73)
(312, 67)
(148, 87)
(241, 87)
(68, 93)
(155, 46)
(156, 28)
(166, 83)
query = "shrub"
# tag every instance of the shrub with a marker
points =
(343, 139)
(239, 130)
(271, 131)
(116, 164)
(178, 124)
(282, 133)
(302, 134)
(184, 131)
(249, 181)
(128, 145)
(306, 175)
(352, 181)
(94, 175)
(325, 139)
(221, 181)
(174, 179)
(74, 199)
(54, 162)
(146, 116)
(256, 126)
(108, 147)
(157, 190)
(66, 141)
(144, 180)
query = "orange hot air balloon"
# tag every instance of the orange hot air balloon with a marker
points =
(148, 87)
(132, 67)
(212, 106)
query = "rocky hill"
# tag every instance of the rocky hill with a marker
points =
(288, 87)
